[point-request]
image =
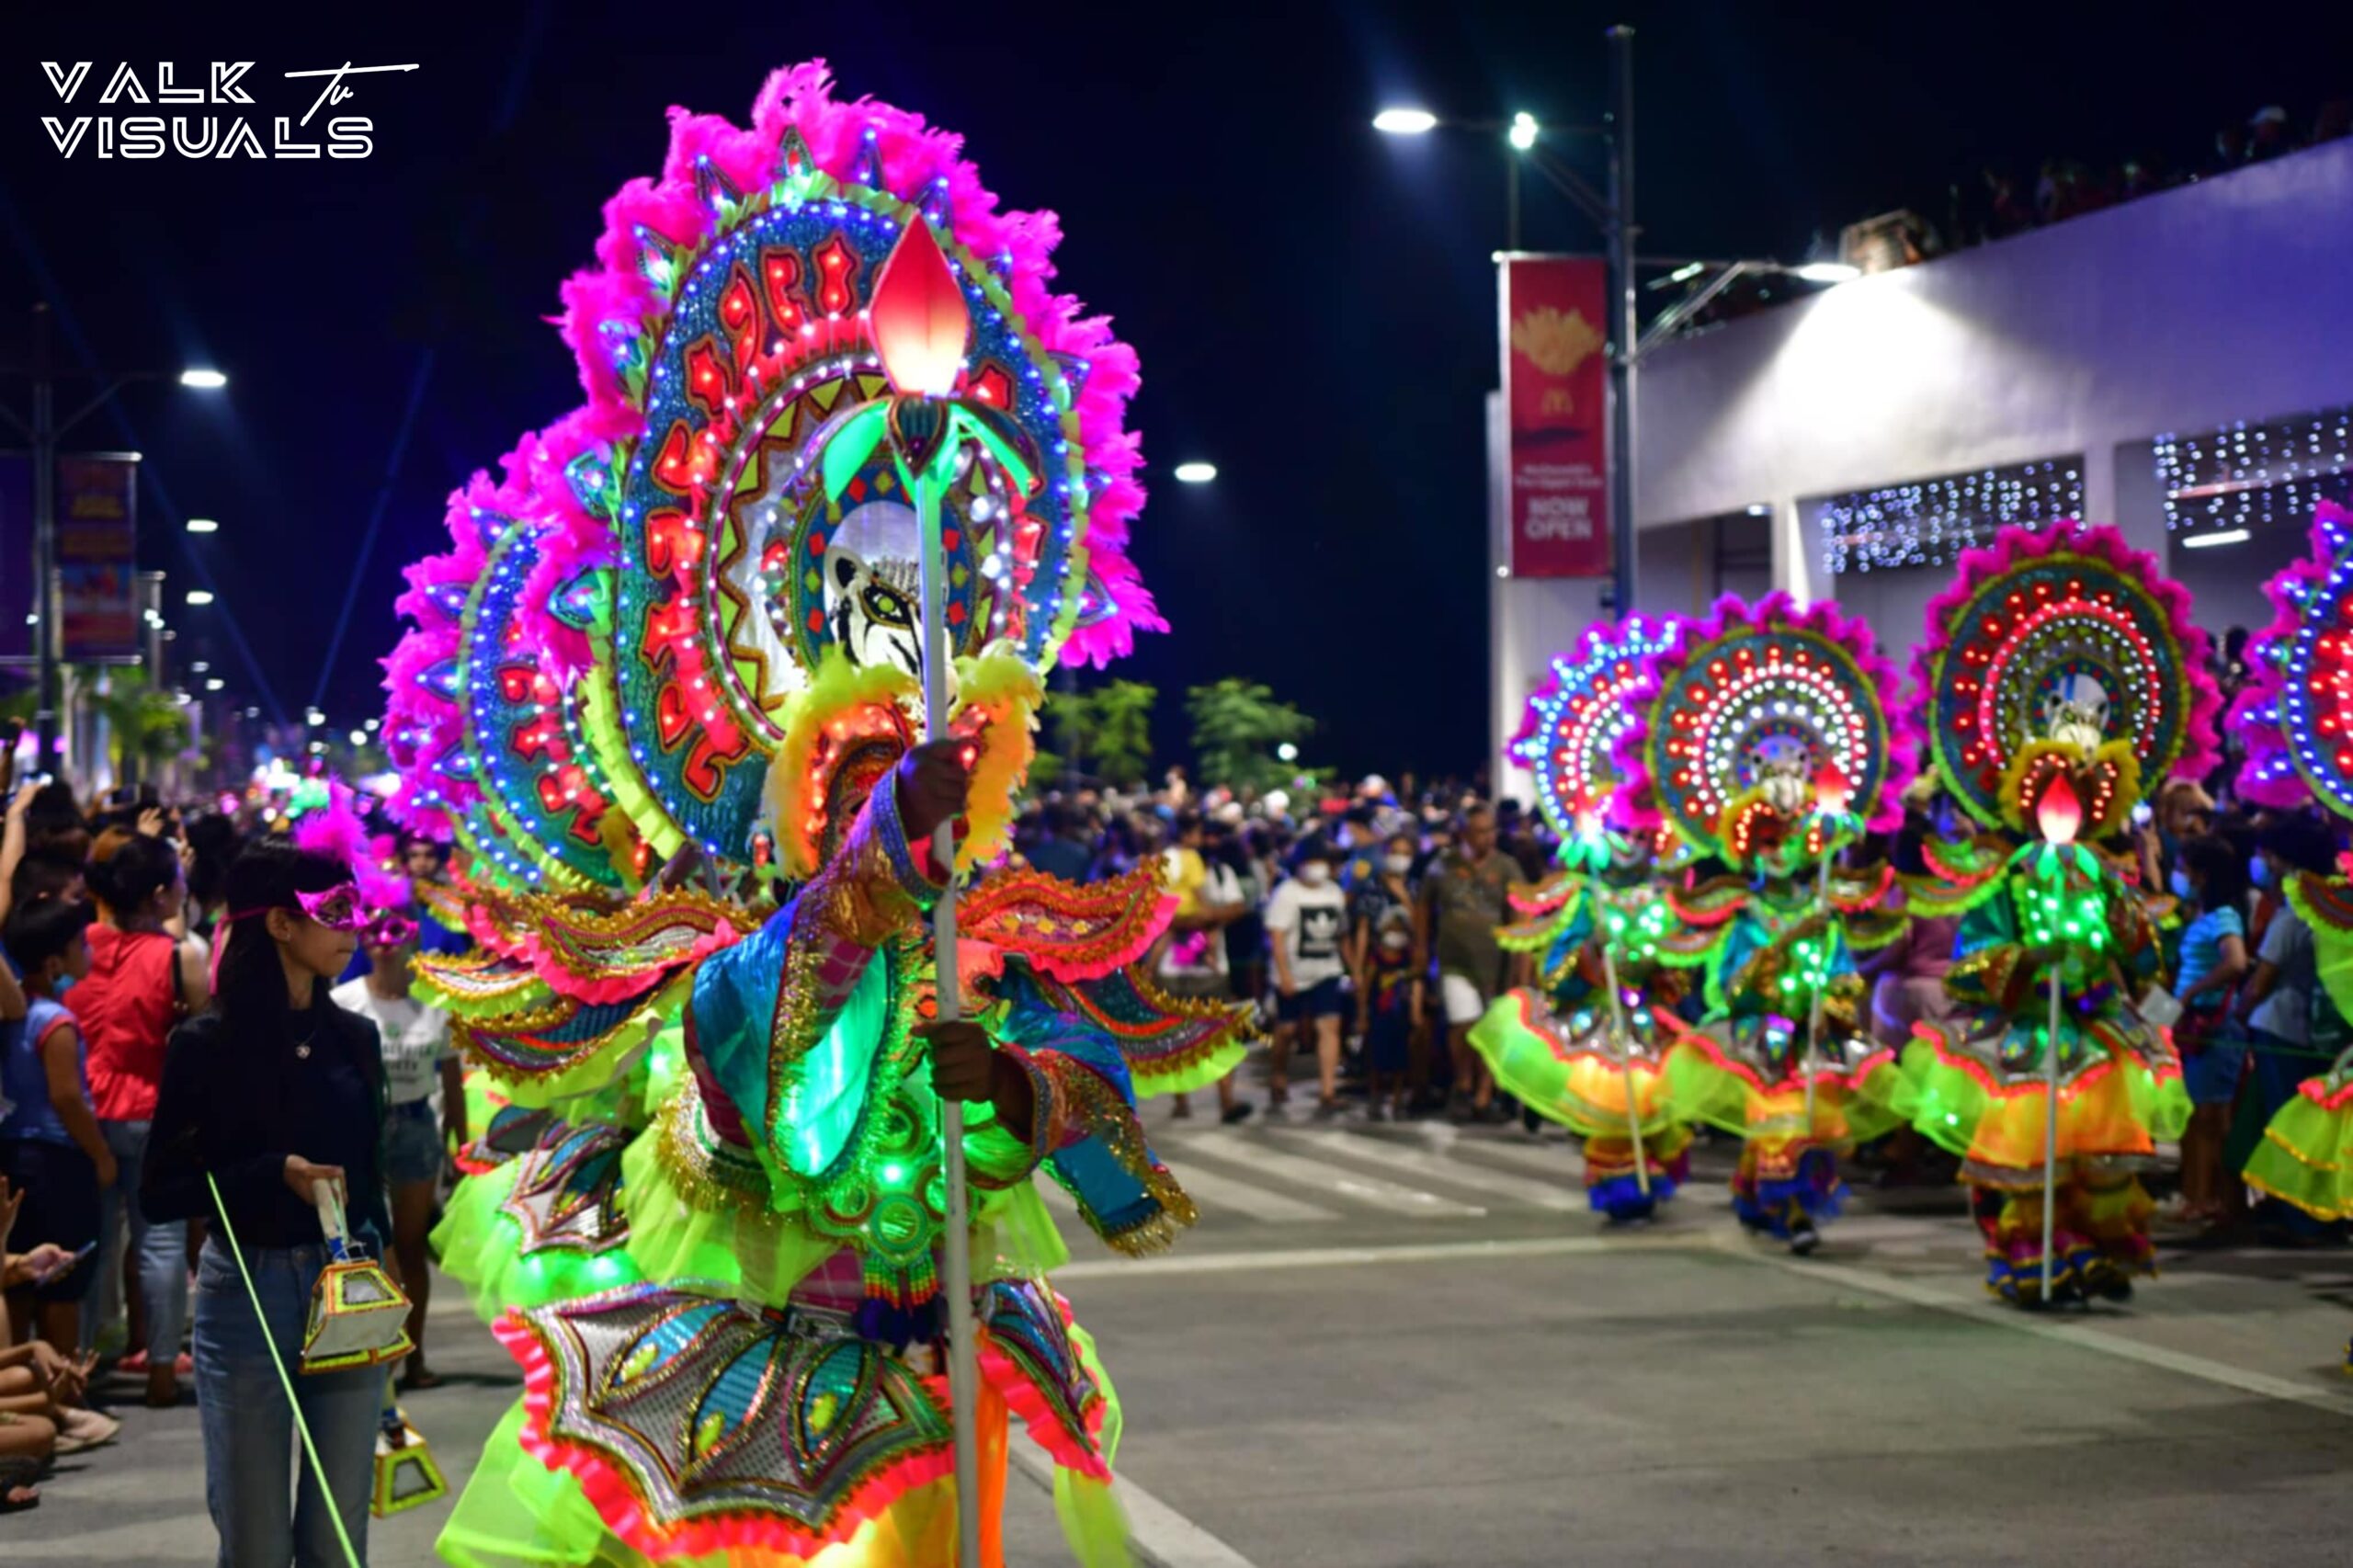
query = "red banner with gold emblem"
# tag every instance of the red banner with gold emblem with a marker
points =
(1556, 380)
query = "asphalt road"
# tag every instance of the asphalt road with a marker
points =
(1411, 1346)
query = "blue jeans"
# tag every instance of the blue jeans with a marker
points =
(266, 1517)
(162, 1250)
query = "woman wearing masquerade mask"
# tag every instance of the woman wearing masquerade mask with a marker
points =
(418, 1058)
(271, 1091)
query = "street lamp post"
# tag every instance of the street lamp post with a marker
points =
(1613, 214)
(1619, 229)
(45, 430)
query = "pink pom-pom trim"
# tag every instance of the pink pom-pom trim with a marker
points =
(2013, 547)
(1638, 799)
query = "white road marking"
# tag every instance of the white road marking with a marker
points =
(1214, 1192)
(1330, 1257)
(1557, 1196)
(1552, 1158)
(1983, 1309)
(1159, 1532)
(1315, 1176)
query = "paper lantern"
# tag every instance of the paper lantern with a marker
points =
(406, 1475)
(358, 1318)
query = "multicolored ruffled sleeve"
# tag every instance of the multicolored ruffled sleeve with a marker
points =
(1084, 1133)
(787, 1021)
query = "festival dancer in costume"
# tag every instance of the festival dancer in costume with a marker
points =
(2291, 718)
(2063, 683)
(1564, 1047)
(1761, 739)
(664, 692)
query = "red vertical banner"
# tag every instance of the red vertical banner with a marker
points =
(1556, 388)
(97, 558)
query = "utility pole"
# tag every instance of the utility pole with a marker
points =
(50, 644)
(1623, 331)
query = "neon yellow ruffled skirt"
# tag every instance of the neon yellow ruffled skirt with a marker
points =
(2306, 1155)
(2118, 1106)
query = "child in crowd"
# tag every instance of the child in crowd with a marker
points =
(1394, 1014)
(51, 1148)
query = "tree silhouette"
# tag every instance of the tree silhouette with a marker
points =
(1237, 725)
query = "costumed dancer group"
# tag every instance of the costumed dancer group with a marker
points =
(2059, 684)
(723, 690)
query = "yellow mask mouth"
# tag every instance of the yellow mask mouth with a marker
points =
(2107, 781)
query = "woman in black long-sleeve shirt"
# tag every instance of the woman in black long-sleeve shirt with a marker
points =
(271, 1091)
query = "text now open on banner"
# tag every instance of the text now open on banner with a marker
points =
(1556, 380)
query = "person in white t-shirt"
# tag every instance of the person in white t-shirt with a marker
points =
(1307, 925)
(418, 1059)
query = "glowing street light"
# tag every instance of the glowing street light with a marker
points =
(199, 597)
(1405, 122)
(215, 684)
(1287, 751)
(205, 380)
(1195, 472)
(203, 526)
(1523, 132)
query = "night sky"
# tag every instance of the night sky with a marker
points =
(1313, 303)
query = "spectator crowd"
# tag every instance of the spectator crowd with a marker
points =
(110, 916)
(1359, 921)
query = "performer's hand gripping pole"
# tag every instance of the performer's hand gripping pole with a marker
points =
(962, 1373)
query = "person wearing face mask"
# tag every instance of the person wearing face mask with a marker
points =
(1306, 922)
(1381, 903)
(418, 1059)
(2210, 877)
(1391, 1004)
(1465, 899)
(2278, 1000)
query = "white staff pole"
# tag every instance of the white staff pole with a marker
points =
(962, 1373)
(2050, 1130)
(1625, 1043)
(1814, 1013)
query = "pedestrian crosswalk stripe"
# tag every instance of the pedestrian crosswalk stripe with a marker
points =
(1215, 1194)
(1560, 1195)
(1553, 1158)
(1328, 1180)
(1218, 1194)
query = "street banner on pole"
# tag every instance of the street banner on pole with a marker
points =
(97, 557)
(17, 568)
(1556, 366)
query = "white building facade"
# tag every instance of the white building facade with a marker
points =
(2180, 366)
